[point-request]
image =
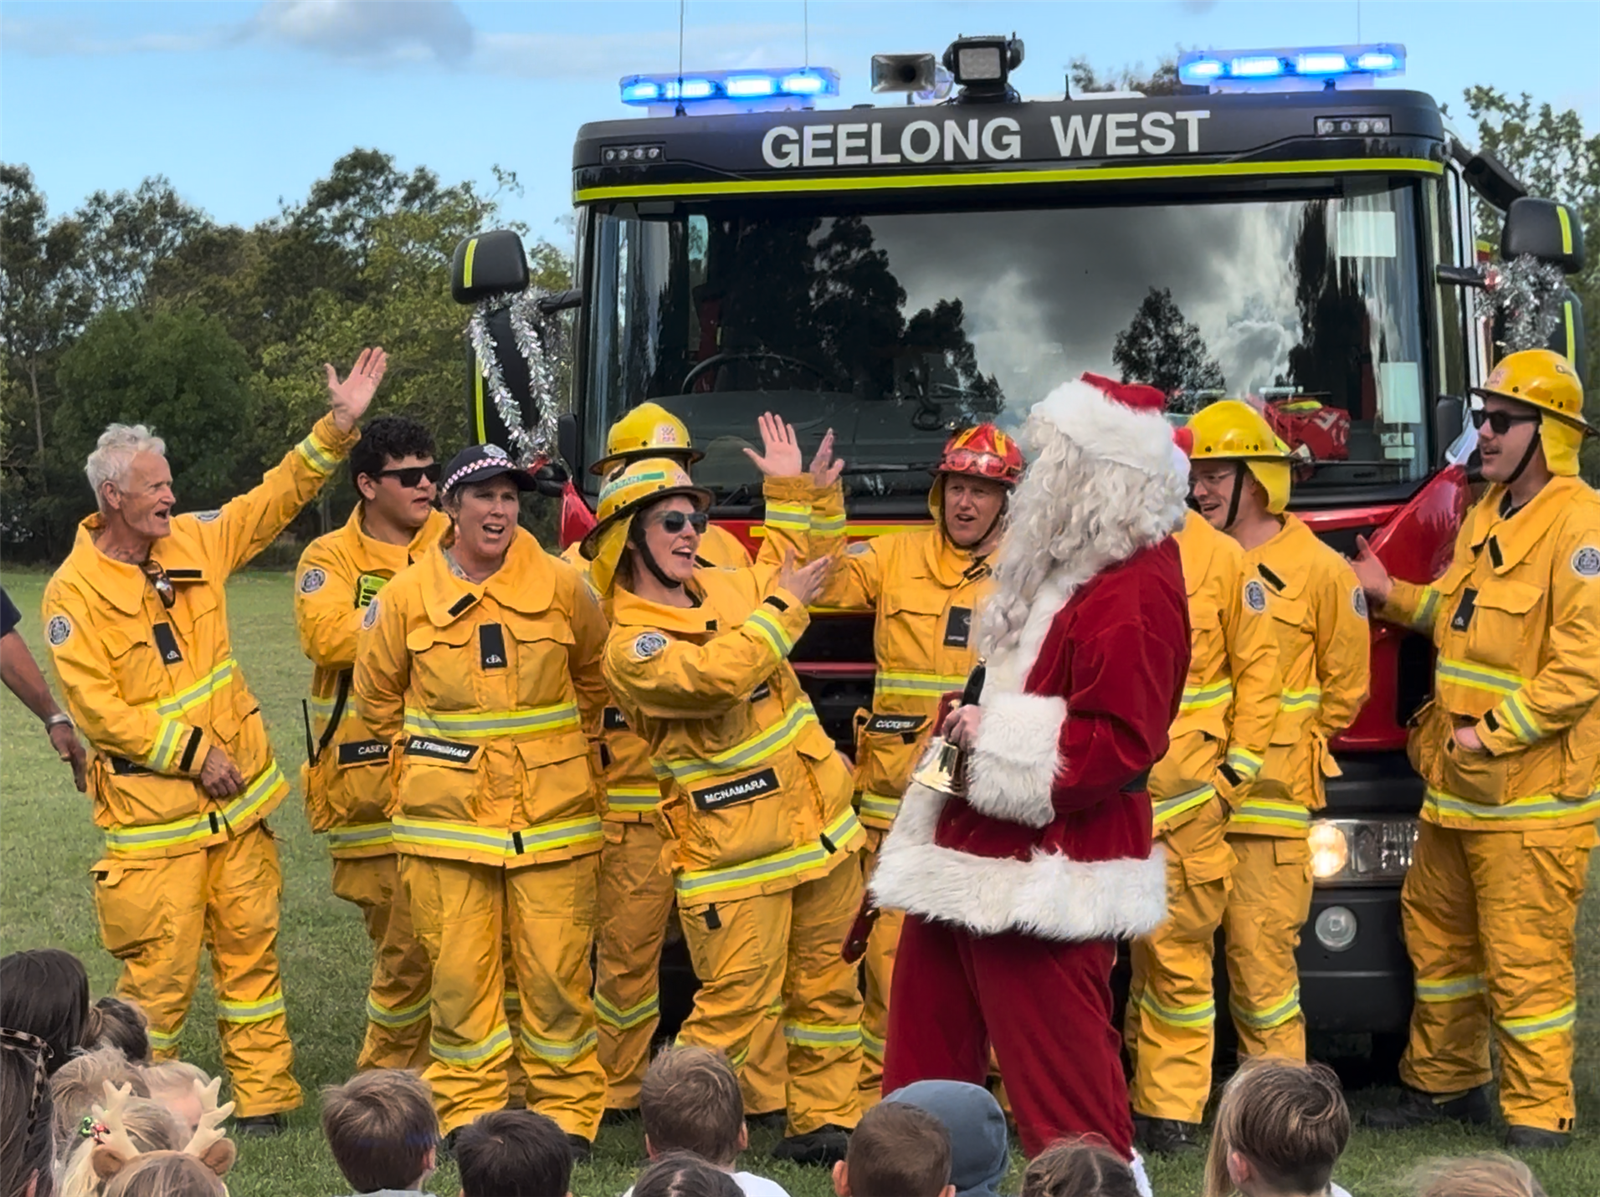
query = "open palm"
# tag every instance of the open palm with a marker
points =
(780, 456)
(350, 399)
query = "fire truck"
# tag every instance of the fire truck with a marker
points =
(1278, 228)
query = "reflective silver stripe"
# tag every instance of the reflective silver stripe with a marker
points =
(1479, 677)
(699, 884)
(879, 806)
(822, 1034)
(559, 1051)
(917, 684)
(360, 835)
(1272, 1016)
(248, 1012)
(488, 724)
(1523, 724)
(1427, 608)
(757, 748)
(193, 695)
(1450, 989)
(472, 1053)
(635, 1015)
(1539, 1025)
(402, 1016)
(317, 456)
(1536, 806)
(540, 837)
(1298, 700)
(1270, 813)
(1198, 1015)
(1198, 698)
(1169, 808)
(770, 630)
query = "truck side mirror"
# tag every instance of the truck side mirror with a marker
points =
(1449, 421)
(567, 438)
(488, 264)
(1548, 230)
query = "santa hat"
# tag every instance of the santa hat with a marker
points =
(1121, 422)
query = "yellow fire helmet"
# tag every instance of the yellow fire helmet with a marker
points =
(648, 430)
(1232, 430)
(630, 488)
(1544, 379)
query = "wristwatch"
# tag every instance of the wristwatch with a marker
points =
(58, 718)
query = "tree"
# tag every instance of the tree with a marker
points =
(1163, 349)
(1163, 81)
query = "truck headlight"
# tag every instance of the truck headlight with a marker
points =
(1361, 851)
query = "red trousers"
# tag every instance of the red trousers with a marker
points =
(1044, 1006)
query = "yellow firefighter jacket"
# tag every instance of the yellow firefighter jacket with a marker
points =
(1231, 696)
(488, 693)
(1515, 620)
(1320, 615)
(155, 689)
(346, 781)
(758, 799)
(622, 758)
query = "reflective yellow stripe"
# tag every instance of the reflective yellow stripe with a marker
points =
(1269, 812)
(1450, 989)
(637, 799)
(1479, 677)
(1566, 236)
(788, 515)
(816, 1034)
(476, 1052)
(1297, 700)
(1526, 727)
(834, 183)
(871, 1046)
(1200, 1014)
(187, 699)
(483, 725)
(1427, 608)
(1536, 806)
(770, 630)
(1244, 762)
(749, 752)
(247, 1012)
(401, 1016)
(466, 262)
(1199, 698)
(879, 806)
(1272, 1016)
(827, 525)
(1170, 808)
(635, 1015)
(361, 835)
(541, 837)
(163, 756)
(917, 685)
(703, 883)
(317, 455)
(511, 1001)
(202, 826)
(559, 1051)
(1539, 1025)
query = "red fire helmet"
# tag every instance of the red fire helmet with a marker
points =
(982, 452)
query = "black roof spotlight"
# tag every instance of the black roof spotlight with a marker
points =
(982, 66)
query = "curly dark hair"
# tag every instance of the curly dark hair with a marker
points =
(386, 439)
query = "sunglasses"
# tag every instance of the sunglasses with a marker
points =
(30, 1045)
(674, 522)
(410, 477)
(1500, 422)
(162, 583)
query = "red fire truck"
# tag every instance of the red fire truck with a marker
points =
(1278, 229)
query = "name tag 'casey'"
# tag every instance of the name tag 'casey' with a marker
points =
(364, 752)
(742, 789)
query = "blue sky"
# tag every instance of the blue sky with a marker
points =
(241, 104)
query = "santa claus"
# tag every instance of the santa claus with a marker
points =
(1017, 890)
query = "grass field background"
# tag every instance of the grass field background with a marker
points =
(47, 844)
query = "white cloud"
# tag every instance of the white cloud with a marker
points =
(373, 29)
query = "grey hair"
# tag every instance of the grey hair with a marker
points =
(119, 444)
(1074, 511)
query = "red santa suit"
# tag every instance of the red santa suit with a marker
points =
(1016, 893)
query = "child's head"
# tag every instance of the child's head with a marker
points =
(979, 1150)
(683, 1174)
(149, 1127)
(1280, 1128)
(80, 1084)
(1489, 1175)
(172, 1084)
(1078, 1168)
(171, 1174)
(119, 1024)
(513, 1153)
(382, 1130)
(898, 1150)
(45, 992)
(690, 1101)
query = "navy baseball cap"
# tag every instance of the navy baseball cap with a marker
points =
(479, 463)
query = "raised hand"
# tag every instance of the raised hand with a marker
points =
(1370, 572)
(804, 582)
(825, 470)
(351, 398)
(781, 457)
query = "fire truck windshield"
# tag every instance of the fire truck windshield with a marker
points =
(895, 327)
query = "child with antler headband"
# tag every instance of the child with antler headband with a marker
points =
(118, 1165)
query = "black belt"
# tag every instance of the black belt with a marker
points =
(1138, 784)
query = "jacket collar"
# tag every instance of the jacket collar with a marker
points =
(524, 582)
(1197, 545)
(629, 610)
(124, 585)
(949, 565)
(1284, 562)
(1515, 536)
(360, 545)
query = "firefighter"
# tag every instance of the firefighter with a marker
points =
(635, 889)
(480, 666)
(1509, 750)
(183, 776)
(1319, 614)
(1218, 744)
(346, 779)
(923, 586)
(757, 812)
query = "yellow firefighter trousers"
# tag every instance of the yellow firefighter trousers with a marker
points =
(155, 914)
(1490, 921)
(1171, 1017)
(877, 974)
(463, 913)
(636, 899)
(783, 949)
(397, 1000)
(1269, 903)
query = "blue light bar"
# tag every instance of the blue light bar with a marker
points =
(1318, 66)
(748, 86)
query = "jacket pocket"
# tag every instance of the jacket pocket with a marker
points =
(1477, 776)
(129, 904)
(557, 782)
(1500, 623)
(445, 665)
(1580, 756)
(438, 778)
(888, 747)
(911, 628)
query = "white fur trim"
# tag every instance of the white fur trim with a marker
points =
(1049, 896)
(1132, 437)
(1015, 757)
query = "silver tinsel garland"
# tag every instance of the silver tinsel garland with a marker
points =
(1529, 293)
(539, 340)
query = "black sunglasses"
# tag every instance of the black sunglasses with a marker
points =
(30, 1045)
(162, 583)
(411, 477)
(674, 522)
(1500, 421)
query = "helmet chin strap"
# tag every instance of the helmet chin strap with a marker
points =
(636, 538)
(1238, 489)
(1527, 455)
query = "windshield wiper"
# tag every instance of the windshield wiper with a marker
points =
(890, 467)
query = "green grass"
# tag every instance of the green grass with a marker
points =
(47, 844)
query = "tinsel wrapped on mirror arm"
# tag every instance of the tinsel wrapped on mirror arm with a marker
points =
(539, 340)
(1529, 293)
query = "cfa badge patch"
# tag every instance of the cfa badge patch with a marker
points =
(208, 517)
(858, 548)
(1255, 596)
(58, 629)
(648, 644)
(371, 617)
(1586, 562)
(1358, 600)
(313, 580)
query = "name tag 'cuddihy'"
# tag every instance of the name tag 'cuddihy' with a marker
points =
(743, 789)
(896, 725)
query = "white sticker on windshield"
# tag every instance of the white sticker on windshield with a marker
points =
(1365, 234)
(1400, 393)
